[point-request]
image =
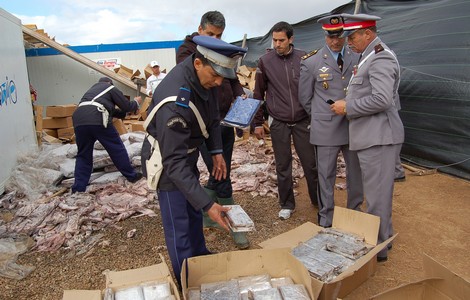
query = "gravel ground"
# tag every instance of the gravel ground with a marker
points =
(55, 272)
(419, 218)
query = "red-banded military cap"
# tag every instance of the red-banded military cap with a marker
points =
(332, 25)
(352, 23)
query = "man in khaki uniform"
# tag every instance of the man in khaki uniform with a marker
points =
(375, 128)
(324, 75)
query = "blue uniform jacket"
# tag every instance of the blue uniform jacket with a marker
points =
(177, 131)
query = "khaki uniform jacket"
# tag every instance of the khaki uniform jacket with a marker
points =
(372, 99)
(320, 80)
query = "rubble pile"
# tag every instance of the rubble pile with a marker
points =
(39, 204)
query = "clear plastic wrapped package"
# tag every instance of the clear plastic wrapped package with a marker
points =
(320, 241)
(156, 290)
(318, 269)
(349, 248)
(144, 291)
(227, 290)
(253, 283)
(131, 293)
(330, 253)
(194, 294)
(294, 292)
(238, 219)
(268, 294)
(108, 294)
(279, 281)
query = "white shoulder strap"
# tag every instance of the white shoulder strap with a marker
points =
(191, 105)
(102, 93)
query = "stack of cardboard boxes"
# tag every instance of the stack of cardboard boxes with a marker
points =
(246, 76)
(57, 125)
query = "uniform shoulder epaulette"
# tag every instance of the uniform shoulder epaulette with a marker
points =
(378, 48)
(183, 97)
(311, 53)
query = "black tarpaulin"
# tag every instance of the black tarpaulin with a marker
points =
(432, 41)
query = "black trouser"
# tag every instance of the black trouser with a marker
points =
(282, 134)
(223, 188)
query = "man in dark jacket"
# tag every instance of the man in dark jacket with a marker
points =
(277, 82)
(213, 25)
(92, 121)
(176, 128)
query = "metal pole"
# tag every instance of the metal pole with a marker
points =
(243, 46)
(357, 6)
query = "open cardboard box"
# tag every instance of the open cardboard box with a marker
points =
(352, 221)
(439, 284)
(231, 265)
(128, 278)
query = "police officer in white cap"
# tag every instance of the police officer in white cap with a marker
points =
(375, 128)
(324, 75)
(176, 128)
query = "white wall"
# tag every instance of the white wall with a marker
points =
(17, 131)
(61, 80)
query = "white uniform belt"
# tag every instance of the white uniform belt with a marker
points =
(152, 140)
(101, 109)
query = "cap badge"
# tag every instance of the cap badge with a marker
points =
(334, 21)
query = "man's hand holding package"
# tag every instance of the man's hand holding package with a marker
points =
(217, 213)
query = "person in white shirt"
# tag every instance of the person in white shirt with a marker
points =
(155, 78)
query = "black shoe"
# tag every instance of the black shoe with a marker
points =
(400, 179)
(137, 177)
(389, 246)
(382, 258)
(239, 132)
(314, 203)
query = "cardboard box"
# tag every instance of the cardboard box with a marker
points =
(51, 132)
(352, 221)
(137, 126)
(55, 123)
(148, 71)
(38, 111)
(60, 111)
(143, 108)
(439, 283)
(119, 125)
(126, 72)
(135, 74)
(81, 294)
(50, 139)
(128, 278)
(230, 265)
(65, 133)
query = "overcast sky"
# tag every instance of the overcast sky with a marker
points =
(90, 22)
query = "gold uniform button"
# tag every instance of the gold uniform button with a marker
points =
(342, 77)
